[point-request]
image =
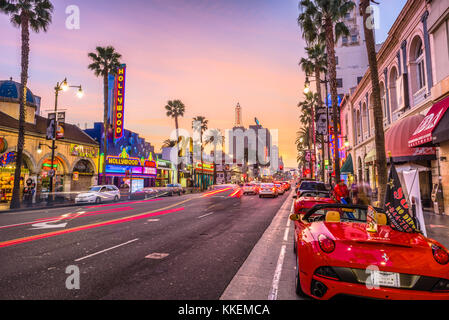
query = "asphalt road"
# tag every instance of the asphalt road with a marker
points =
(186, 247)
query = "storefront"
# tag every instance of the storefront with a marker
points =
(7, 168)
(433, 131)
(204, 176)
(419, 161)
(129, 172)
(347, 170)
(164, 173)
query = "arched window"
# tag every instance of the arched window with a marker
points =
(419, 60)
(392, 89)
(365, 119)
(383, 101)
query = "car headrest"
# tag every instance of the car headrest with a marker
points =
(381, 219)
(333, 216)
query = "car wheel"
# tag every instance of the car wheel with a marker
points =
(98, 200)
(115, 198)
(298, 288)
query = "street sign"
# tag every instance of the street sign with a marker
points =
(321, 124)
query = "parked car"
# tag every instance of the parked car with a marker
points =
(336, 255)
(311, 185)
(175, 188)
(99, 194)
(280, 188)
(268, 189)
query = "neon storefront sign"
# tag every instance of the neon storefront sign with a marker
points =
(119, 102)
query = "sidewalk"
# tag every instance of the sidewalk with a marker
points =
(269, 271)
(437, 227)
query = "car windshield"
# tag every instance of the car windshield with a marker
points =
(315, 194)
(347, 214)
(311, 185)
(95, 189)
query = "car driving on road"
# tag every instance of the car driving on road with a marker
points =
(268, 190)
(249, 188)
(99, 194)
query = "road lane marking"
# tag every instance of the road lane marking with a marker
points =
(68, 216)
(157, 256)
(46, 225)
(149, 214)
(286, 234)
(153, 220)
(105, 250)
(277, 275)
(205, 215)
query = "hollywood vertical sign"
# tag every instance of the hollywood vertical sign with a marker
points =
(119, 102)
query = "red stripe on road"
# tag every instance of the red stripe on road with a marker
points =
(86, 227)
(69, 216)
(121, 203)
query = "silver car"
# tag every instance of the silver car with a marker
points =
(99, 194)
(268, 190)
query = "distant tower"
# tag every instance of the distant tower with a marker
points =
(238, 116)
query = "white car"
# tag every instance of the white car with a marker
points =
(268, 189)
(99, 194)
(249, 188)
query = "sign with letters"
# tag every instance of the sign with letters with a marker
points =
(119, 112)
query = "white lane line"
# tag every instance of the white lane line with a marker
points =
(153, 220)
(286, 233)
(205, 215)
(157, 256)
(277, 276)
(288, 222)
(96, 253)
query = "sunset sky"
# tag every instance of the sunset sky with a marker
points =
(211, 54)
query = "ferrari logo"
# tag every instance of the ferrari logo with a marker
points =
(385, 257)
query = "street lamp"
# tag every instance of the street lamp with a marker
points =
(307, 86)
(60, 86)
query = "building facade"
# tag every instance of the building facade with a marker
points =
(76, 156)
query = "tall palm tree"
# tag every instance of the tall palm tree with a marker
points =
(316, 63)
(322, 20)
(105, 61)
(176, 109)
(24, 14)
(214, 137)
(201, 122)
(379, 135)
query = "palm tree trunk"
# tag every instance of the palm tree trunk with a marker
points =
(320, 104)
(15, 201)
(330, 45)
(379, 135)
(177, 146)
(105, 125)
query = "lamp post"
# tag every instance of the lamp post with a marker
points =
(60, 86)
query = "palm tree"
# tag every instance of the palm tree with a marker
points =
(24, 14)
(379, 135)
(105, 61)
(200, 123)
(214, 137)
(168, 143)
(176, 109)
(322, 20)
(316, 63)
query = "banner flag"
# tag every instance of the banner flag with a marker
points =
(396, 205)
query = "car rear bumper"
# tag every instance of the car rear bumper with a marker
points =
(335, 288)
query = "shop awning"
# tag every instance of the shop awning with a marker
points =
(422, 136)
(441, 132)
(396, 141)
(348, 166)
(371, 156)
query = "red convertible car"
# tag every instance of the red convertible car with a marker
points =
(308, 199)
(337, 256)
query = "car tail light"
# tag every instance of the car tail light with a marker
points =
(440, 255)
(274, 189)
(326, 244)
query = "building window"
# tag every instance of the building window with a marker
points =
(344, 40)
(336, 60)
(359, 79)
(354, 38)
(421, 75)
(339, 83)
